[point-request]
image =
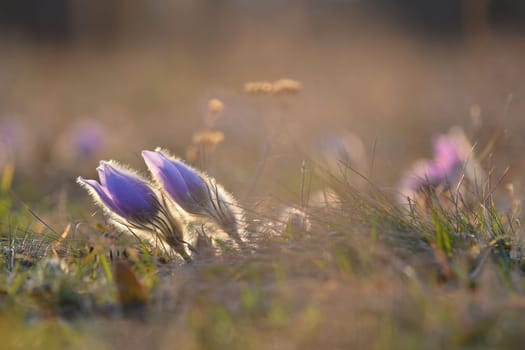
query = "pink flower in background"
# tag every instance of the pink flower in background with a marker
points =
(428, 174)
(446, 157)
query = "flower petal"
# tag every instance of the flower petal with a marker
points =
(165, 172)
(196, 185)
(94, 187)
(129, 193)
(446, 153)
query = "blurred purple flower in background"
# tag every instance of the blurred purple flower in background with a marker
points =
(122, 192)
(17, 144)
(10, 134)
(446, 156)
(428, 175)
(87, 138)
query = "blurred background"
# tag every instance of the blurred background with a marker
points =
(110, 22)
(84, 80)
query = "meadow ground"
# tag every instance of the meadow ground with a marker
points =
(348, 267)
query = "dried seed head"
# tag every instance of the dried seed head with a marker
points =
(215, 106)
(286, 87)
(279, 87)
(258, 88)
(208, 138)
(251, 87)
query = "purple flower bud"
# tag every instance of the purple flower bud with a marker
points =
(185, 186)
(195, 193)
(122, 192)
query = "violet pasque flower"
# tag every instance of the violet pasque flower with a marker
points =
(122, 192)
(194, 192)
(183, 185)
(134, 207)
(428, 175)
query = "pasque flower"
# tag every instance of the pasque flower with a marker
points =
(133, 205)
(428, 174)
(195, 192)
(123, 192)
(161, 211)
(183, 185)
